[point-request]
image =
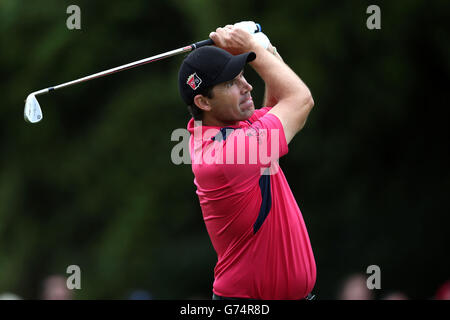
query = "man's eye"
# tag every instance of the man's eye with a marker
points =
(230, 83)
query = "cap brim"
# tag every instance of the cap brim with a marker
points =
(235, 66)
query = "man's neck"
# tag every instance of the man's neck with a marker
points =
(218, 123)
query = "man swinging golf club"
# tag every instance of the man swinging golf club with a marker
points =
(251, 215)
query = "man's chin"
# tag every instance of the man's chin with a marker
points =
(247, 113)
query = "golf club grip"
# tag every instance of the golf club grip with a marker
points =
(207, 42)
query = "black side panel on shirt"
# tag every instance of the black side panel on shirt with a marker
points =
(266, 202)
(223, 134)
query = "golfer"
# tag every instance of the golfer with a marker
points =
(252, 218)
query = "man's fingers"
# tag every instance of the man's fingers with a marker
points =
(213, 36)
(230, 38)
(220, 30)
(218, 40)
(221, 36)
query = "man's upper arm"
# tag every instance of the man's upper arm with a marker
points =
(292, 114)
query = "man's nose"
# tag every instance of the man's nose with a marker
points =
(245, 86)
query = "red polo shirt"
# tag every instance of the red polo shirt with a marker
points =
(253, 220)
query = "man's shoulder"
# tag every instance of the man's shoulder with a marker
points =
(259, 113)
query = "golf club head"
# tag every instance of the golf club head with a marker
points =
(32, 112)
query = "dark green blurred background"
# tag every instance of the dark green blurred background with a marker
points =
(93, 183)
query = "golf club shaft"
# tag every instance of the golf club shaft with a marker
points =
(129, 65)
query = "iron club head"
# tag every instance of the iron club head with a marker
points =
(32, 112)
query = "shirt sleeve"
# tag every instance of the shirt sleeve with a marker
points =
(270, 132)
(259, 113)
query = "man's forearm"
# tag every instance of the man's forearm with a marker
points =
(281, 82)
(269, 98)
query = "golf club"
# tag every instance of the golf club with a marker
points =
(33, 112)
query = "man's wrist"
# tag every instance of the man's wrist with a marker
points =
(273, 50)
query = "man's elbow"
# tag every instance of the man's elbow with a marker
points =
(306, 107)
(309, 102)
(306, 101)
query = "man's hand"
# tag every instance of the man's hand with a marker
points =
(234, 40)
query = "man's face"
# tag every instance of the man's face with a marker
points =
(232, 101)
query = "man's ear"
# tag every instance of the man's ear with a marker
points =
(202, 102)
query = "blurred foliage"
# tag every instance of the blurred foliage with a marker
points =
(93, 183)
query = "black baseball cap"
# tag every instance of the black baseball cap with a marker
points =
(206, 67)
